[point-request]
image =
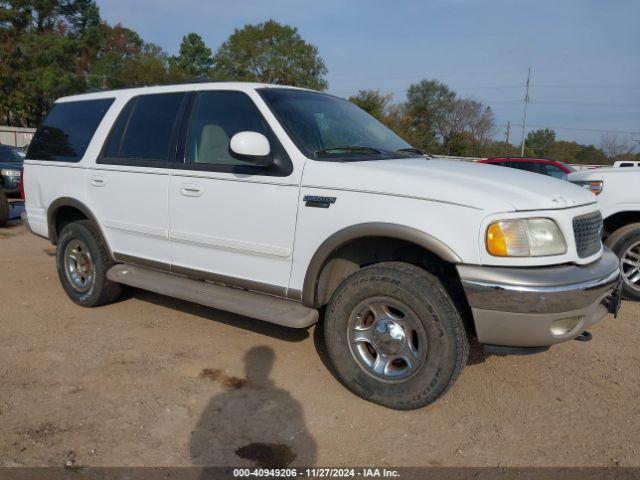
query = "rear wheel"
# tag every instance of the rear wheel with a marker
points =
(83, 261)
(4, 209)
(394, 336)
(625, 243)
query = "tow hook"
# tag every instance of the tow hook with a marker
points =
(584, 337)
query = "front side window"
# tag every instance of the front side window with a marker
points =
(65, 133)
(567, 167)
(145, 130)
(216, 116)
(325, 127)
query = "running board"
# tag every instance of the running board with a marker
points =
(276, 310)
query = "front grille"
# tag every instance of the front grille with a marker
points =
(587, 230)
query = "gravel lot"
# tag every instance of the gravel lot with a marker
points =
(155, 381)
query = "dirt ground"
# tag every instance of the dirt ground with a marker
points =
(151, 381)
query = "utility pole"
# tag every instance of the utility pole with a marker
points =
(508, 131)
(524, 121)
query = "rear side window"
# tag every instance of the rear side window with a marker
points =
(145, 130)
(65, 133)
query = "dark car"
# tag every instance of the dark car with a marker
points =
(552, 168)
(11, 159)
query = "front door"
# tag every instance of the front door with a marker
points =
(230, 221)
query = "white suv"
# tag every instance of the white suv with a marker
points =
(288, 205)
(617, 192)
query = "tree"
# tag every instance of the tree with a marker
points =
(565, 151)
(540, 143)
(119, 46)
(195, 58)
(591, 155)
(464, 127)
(372, 102)
(149, 67)
(46, 48)
(428, 103)
(615, 146)
(272, 53)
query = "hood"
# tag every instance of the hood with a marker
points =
(596, 173)
(476, 185)
(11, 165)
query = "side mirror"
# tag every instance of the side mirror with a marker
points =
(251, 147)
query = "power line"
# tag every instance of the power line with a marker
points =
(506, 87)
(596, 130)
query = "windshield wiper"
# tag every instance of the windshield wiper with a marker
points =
(417, 151)
(350, 149)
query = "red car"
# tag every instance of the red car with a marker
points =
(551, 168)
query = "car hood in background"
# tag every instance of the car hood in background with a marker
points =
(483, 186)
(11, 165)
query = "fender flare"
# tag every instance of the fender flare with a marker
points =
(78, 205)
(363, 230)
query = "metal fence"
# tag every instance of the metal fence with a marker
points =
(16, 136)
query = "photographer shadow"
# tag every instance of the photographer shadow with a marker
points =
(254, 423)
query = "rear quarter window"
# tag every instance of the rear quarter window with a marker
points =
(66, 131)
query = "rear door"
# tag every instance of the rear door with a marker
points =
(127, 188)
(231, 221)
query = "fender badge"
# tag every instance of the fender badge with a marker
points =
(318, 201)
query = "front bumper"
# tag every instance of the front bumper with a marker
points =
(517, 307)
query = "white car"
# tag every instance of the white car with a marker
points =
(626, 163)
(619, 198)
(293, 206)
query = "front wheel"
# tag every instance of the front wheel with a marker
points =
(625, 243)
(394, 336)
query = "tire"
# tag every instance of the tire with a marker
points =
(625, 243)
(4, 209)
(82, 240)
(431, 328)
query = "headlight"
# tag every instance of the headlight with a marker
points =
(529, 237)
(6, 172)
(594, 186)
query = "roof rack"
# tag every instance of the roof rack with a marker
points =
(167, 84)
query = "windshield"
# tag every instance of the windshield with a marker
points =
(329, 128)
(11, 154)
(568, 167)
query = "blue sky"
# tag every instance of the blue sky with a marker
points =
(584, 54)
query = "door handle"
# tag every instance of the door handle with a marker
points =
(98, 181)
(191, 189)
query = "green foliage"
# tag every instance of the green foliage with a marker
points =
(44, 49)
(591, 155)
(540, 143)
(195, 59)
(543, 144)
(53, 48)
(427, 104)
(372, 102)
(271, 53)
